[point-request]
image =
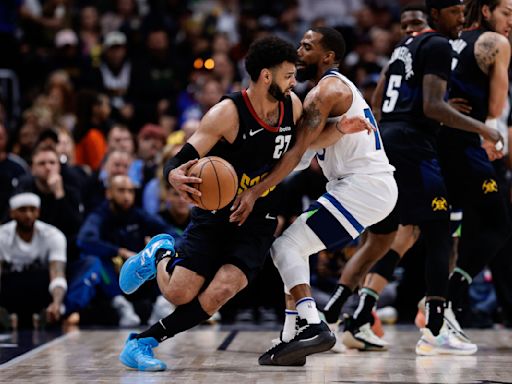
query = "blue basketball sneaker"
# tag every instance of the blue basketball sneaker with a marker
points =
(138, 354)
(142, 266)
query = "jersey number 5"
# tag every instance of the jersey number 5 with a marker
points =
(392, 93)
(282, 143)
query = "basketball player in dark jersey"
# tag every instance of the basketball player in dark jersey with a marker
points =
(413, 19)
(479, 84)
(412, 110)
(250, 129)
(216, 258)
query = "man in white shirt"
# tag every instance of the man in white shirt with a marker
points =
(32, 262)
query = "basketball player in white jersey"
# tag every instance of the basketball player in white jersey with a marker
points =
(361, 190)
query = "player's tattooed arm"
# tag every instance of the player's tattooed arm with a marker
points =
(486, 51)
(311, 117)
(492, 50)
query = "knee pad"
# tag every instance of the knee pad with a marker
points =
(291, 251)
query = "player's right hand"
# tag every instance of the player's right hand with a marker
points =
(492, 135)
(491, 149)
(180, 181)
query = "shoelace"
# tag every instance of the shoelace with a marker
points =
(145, 350)
(274, 346)
(301, 329)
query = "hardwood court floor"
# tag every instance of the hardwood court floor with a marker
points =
(90, 356)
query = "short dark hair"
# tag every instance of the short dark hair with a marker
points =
(332, 40)
(44, 148)
(268, 52)
(414, 7)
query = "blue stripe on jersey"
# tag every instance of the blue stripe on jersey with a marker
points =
(327, 227)
(351, 219)
(303, 300)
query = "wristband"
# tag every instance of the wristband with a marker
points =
(56, 283)
(187, 153)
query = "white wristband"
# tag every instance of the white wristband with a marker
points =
(492, 123)
(58, 282)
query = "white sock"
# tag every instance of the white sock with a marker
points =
(289, 331)
(306, 307)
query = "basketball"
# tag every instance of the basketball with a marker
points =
(219, 185)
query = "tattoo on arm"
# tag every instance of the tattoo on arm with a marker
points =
(311, 117)
(486, 52)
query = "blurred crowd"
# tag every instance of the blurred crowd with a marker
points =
(96, 95)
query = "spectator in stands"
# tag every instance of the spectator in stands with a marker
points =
(117, 229)
(25, 138)
(12, 167)
(117, 162)
(114, 75)
(89, 32)
(93, 111)
(156, 79)
(32, 263)
(61, 203)
(150, 142)
(176, 211)
(209, 94)
(68, 57)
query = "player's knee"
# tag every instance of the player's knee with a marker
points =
(284, 253)
(224, 292)
(179, 296)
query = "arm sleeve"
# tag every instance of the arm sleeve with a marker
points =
(438, 57)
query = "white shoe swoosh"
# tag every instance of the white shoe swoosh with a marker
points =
(252, 133)
(270, 217)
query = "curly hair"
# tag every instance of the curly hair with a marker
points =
(268, 52)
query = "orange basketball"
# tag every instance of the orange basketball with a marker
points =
(219, 185)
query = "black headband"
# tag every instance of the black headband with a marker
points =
(440, 4)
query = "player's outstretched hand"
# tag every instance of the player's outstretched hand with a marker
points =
(242, 206)
(180, 181)
(354, 124)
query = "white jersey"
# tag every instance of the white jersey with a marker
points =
(358, 153)
(48, 244)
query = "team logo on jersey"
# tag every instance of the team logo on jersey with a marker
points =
(439, 204)
(247, 182)
(489, 186)
(404, 55)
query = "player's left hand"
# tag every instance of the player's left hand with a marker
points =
(490, 149)
(347, 125)
(242, 206)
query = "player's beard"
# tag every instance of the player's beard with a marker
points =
(275, 91)
(307, 72)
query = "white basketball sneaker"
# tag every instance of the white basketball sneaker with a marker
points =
(446, 343)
